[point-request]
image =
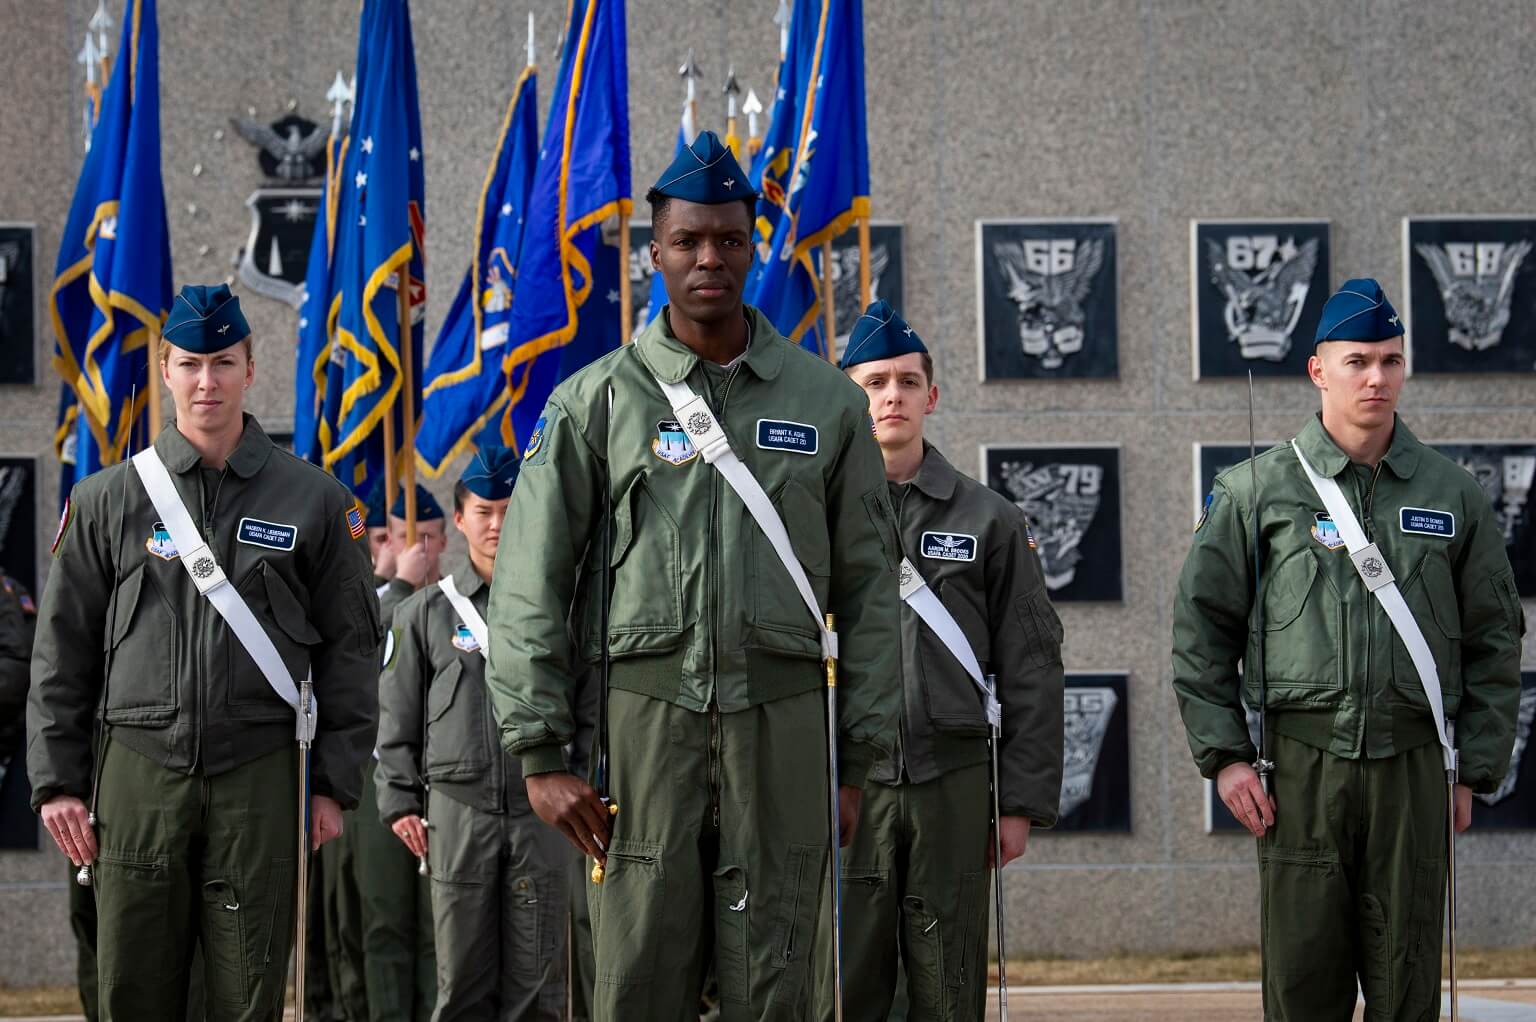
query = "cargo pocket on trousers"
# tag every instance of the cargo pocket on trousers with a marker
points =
(799, 900)
(224, 932)
(280, 895)
(629, 914)
(1421, 939)
(733, 964)
(923, 939)
(536, 904)
(970, 923)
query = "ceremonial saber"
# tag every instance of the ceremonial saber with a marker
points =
(1262, 765)
(600, 773)
(1451, 775)
(835, 859)
(997, 861)
(306, 729)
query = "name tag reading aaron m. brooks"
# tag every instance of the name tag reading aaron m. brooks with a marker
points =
(1425, 521)
(780, 435)
(273, 535)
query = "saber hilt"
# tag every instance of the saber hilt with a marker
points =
(422, 869)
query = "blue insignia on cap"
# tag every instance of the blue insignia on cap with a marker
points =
(427, 507)
(491, 473)
(204, 319)
(879, 333)
(704, 172)
(1359, 311)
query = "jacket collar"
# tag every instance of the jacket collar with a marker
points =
(245, 460)
(936, 477)
(468, 582)
(1402, 457)
(672, 360)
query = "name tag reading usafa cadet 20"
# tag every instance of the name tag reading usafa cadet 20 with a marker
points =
(1427, 522)
(274, 535)
(779, 435)
(949, 546)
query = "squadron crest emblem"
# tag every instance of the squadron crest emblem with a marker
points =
(671, 443)
(1086, 719)
(1265, 282)
(159, 543)
(1477, 285)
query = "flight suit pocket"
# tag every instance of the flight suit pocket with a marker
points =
(965, 956)
(1431, 597)
(251, 697)
(646, 610)
(923, 937)
(537, 909)
(780, 619)
(799, 890)
(279, 917)
(733, 961)
(1302, 627)
(141, 688)
(629, 913)
(224, 939)
(455, 725)
(1422, 937)
(953, 701)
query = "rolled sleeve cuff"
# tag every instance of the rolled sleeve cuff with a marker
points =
(542, 759)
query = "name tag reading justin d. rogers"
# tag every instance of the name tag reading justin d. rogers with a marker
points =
(781, 435)
(1427, 522)
(273, 535)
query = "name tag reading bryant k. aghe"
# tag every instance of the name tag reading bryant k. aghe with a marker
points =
(781, 435)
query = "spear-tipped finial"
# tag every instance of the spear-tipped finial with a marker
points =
(781, 19)
(339, 95)
(101, 24)
(731, 89)
(530, 38)
(689, 72)
(752, 107)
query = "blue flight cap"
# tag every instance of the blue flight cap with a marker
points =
(1359, 311)
(491, 472)
(205, 319)
(427, 507)
(376, 518)
(879, 333)
(704, 172)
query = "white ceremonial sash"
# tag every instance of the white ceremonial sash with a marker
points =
(926, 604)
(466, 610)
(710, 441)
(1371, 565)
(204, 571)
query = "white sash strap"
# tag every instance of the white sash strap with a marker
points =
(1371, 565)
(204, 571)
(710, 440)
(466, 610)
(927, 605)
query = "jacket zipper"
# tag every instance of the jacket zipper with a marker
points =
(714, 576)
(714, 762)
(1365, 524)
(201, 614)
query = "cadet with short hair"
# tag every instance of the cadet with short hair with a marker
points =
(1353, 835)
(498, 874)
(716, 751)
(195, 813)
(915, 880)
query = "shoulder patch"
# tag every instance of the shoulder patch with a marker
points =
(65, 517)
(389, 646)
(534, 450)
(1424, 521)
(355, 526)
(1205, 509)
(948, 546)
(783, 435)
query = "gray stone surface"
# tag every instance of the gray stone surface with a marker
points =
(1360, 112)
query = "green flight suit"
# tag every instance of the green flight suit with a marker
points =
(1353, 871)
(399, 956)
(197, 803)
(717, 739)
(915, 881)
(498, 874)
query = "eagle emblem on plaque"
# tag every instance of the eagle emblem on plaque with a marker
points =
(1086, 721)
(1265, 282)
(1060, 502)
(291, 152)
(1048, 281)
(1477, 283)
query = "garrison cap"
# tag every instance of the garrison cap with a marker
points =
(704, 172)
(205, 319)
(491, 472)
(879, 333)
(427, 507)
(1359, 311)
(376, 518)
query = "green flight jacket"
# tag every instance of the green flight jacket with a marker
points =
(1338, 676)
(120, 613)
(973, 548)
(702, 610)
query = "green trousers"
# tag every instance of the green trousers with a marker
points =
(399, 966)
(915, 890)
(717, 853)
(499, 904)
(1353, 885)
(320, 1003)
(342, 913)
(82, 922)
(192, 859)
(582, 968)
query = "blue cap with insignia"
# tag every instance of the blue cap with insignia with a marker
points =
(491, 473)
(427, 507)
(375, 507)
(704, 172)
(205, 319)
(879, 333)
(1359, 311)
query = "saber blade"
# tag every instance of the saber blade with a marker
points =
(835, 833)
(997, 864)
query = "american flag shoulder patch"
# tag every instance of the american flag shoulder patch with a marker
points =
(355, 522)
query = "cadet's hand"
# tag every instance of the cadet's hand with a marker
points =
(1015, 838)
(849, 799)
(69, 822)
(571, 806)
(1463, 807)
(1241, 790)
(412, 830)
(324, 820)
(384, 563)
(415, 563)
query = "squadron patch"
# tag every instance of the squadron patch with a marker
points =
(536, 438)
(464, 639)
(1205, 509)
(1423, 521)
(671, 443)
(159, 543)
(273, 535)
(781, 435)
(948, 546)
(1325, 532)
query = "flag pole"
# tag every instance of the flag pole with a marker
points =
(155, 418)
(865, 285)
(828, 309)
(626, 296)
(408, 414)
